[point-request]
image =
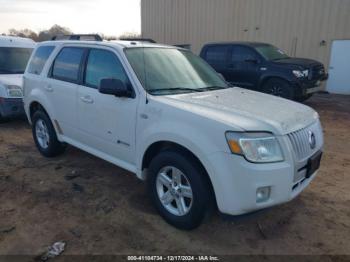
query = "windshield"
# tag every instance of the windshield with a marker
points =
(164, 71)
(14, 60)
(271, 52)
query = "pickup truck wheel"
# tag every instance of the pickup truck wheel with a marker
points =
(178, 189)
(44, 135)
(279, 87)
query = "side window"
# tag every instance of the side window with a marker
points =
(241, 54)
(217, 54)
(39, 59)
(103, 64)
(67, 64)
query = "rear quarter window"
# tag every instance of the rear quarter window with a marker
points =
(39, 59)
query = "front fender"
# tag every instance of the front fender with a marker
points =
(201, 143)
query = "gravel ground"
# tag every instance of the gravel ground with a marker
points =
(98, 208)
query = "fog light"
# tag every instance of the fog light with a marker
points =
(263, 194)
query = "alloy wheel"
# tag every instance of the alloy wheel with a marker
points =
(42, 134)
(174, 191)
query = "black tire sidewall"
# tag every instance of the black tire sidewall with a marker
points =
(55, 147)
(288, 91)
(193, 172)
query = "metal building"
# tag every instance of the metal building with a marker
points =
(302, 28)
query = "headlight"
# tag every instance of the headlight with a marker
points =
(255, 147)
(301, 74)
(14, 91)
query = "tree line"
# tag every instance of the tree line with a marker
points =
(57, 30)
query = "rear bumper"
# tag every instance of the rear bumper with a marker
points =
(11, 107)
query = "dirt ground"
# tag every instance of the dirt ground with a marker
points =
(98, 208)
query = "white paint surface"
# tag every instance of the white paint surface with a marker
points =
(339, 69)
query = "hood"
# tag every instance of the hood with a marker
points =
(300, 62)
(249, 110)
(15, 80)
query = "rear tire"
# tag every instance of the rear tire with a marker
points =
(44, 135)
(279, 87)
(179, 189)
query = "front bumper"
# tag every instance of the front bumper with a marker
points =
(11, 107)
(236, 182)
(307, 87)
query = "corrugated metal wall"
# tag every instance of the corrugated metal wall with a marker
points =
(296, 26)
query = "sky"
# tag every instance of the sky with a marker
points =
(110, 17)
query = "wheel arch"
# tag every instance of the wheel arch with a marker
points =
(159, 146)
(34, 107)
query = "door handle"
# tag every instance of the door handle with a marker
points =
(87, 99)
(49, 88)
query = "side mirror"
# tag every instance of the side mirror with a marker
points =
(252, 61)
(111, 86)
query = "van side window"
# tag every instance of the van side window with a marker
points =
(67, 64)
(103, 64)
(217, 54)
(241, 54)
(39, 59)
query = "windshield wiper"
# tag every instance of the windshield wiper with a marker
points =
(175, 89)
(212, 88)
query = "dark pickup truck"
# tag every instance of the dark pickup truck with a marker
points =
(264, 67)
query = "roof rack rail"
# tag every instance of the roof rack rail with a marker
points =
(78, 37)
(149, 40)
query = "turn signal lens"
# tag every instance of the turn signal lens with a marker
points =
(234, 146)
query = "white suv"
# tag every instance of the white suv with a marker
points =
(14, 55)
(162, 113)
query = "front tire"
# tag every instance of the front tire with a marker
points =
(179, 189)
(44, 135)
(279, 87)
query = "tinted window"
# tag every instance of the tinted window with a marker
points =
(103, 64)
(67, 63)
(14, 60)
(216, 54)
(39, 59)
(241, 54)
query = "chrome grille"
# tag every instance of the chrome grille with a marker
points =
(301, 144)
